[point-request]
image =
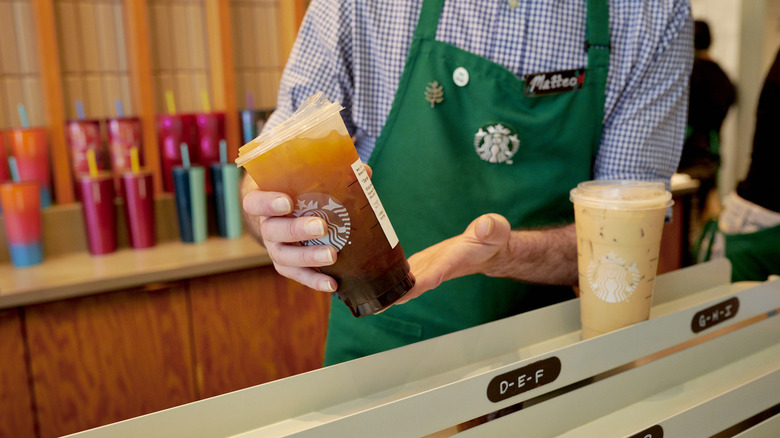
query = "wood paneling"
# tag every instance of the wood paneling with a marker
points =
(16, 418)
(109, 357)
(268, 326)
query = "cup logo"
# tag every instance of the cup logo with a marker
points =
(611, 279)
(496, 143)
(333, 212)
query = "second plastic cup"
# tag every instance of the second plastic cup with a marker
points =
(21, 204)
(619, 225)
(311, 157)
(97, 198)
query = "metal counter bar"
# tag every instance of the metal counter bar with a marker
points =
(535, 358)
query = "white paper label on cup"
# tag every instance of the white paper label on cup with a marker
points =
(376, 204)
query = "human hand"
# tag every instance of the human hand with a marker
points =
(468, 253)
(267, 215)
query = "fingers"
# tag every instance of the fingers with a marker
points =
(286, 254)
(308, 277)
(268, 213)
(260, 203)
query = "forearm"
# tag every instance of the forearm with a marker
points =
(544, 256)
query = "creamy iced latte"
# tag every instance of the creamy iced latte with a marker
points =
(619, 225)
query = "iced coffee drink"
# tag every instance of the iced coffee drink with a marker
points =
(619, 226)
(312, 158)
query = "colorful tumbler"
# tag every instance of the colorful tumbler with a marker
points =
(190, 194)
(225, 180)
(252, 122)
(172, 131)
(211, 131)
(4, 174)
(97, 198)
(21, 204)
(124, 133)
(138, 194)
(83, 136)
(30, 148)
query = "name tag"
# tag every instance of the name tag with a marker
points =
(540, 84)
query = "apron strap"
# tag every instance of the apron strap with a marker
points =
(597, 34)
(429, 19)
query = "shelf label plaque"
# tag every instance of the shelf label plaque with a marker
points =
(523, 379)
(714, 315)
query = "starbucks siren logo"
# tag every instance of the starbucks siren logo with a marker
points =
(332, 211)
(496, 143)
(611, 280)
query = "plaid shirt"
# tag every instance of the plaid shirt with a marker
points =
(355, 51)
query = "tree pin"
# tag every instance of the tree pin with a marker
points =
(434, 93)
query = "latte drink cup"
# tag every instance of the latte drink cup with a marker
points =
(311, 157)
(619, 225)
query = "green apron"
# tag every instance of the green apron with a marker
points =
(466, 137)
(754, 256)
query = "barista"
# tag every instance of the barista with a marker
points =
(489, 110)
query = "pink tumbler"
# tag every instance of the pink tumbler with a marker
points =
(138, 194)
(211, 130)
(4, 172)
(172, 131)
(99, 210)
(84, 135)
(124, 133)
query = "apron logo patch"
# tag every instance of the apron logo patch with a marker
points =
(540, 84)
(496, 143)
(334, 214)
(434, 93)
(612, 280)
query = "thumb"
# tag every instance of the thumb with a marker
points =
(491, 229)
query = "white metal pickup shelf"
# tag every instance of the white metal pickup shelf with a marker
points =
(702, 329)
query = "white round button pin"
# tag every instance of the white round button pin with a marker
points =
(460, 76)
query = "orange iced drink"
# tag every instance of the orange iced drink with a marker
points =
(312, 158)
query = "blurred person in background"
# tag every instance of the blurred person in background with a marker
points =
(711, 96)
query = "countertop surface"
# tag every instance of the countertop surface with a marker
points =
(79, 273)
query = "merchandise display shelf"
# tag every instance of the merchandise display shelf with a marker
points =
(707, 362)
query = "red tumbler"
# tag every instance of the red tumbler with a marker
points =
(99, 210)
(138, 194)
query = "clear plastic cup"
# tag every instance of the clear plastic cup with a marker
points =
(311, 157)
(619, 225)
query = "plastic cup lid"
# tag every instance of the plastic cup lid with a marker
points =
(315, 110)
(622, 194)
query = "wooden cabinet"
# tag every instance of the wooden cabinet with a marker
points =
(254, 326)
(108, 357)
(16, 415)
(80, 363)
